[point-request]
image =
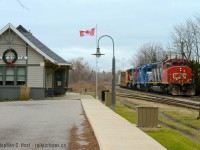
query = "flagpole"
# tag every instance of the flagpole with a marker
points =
(96, 35)
(96, 69)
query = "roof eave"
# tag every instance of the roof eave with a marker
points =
(65, 64)
(9, 25)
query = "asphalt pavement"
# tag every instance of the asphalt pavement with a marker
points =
(39, 124)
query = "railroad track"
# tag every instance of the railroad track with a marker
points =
(157, 98)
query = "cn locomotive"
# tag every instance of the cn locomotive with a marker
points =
(173, 76)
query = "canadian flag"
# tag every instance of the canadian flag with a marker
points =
(87, 32)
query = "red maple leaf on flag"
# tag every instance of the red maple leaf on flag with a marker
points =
(87, 32)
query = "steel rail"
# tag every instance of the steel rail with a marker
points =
(157, 99)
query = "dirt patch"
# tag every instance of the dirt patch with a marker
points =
(84, 141)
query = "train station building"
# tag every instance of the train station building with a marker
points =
(26, 60)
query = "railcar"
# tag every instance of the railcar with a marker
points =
(135, 78)
(127, 78)
(123, 79)
(171, 76)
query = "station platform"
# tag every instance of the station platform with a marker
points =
(114, 132)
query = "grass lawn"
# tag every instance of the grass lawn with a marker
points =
(170, 135)
(173, 140)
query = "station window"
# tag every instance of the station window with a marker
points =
(21, 75)
(1, 75)
(10, 76)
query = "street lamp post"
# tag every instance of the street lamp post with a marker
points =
(113, 70)
(97, 54)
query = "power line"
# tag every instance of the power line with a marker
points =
(23, 5)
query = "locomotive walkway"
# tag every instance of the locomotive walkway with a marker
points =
(114, 132)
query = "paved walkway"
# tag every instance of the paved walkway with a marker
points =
(114, 132)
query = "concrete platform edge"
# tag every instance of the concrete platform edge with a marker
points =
(114, 132)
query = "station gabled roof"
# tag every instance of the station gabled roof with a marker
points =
(36, 44)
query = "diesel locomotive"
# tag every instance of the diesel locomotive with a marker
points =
(173, 76)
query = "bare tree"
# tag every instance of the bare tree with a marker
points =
(196, 32)
(179, 38)
(122, 63)
(83, 78)
(189, 40)
(81, 72)
(186, 39)
(148, 53)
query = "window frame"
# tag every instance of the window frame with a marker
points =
(9, 82)
(20, 75)
(15, 68)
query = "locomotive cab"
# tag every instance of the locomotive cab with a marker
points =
(177, 75)
(144, 76)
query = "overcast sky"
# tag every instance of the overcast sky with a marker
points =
(130, 23)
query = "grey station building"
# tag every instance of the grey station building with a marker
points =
(26, 60)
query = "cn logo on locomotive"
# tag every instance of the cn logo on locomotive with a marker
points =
(177, 76)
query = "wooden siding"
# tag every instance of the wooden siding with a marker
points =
(17, 44)
(35, 73)
(34, 57)
(35, 76)
(21, 51)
